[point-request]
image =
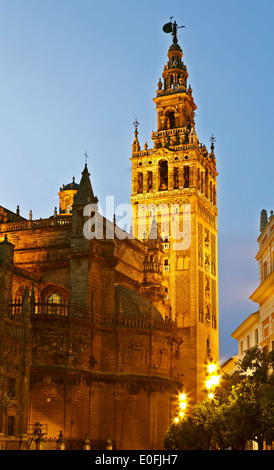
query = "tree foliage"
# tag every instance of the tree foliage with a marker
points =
(242, 410)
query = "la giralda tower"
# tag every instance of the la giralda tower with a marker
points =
(175, 184)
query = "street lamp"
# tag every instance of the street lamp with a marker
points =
(61, 442)
(182, 407)
(86, 443)
(211, 368)
(39, 441)
(212, 380)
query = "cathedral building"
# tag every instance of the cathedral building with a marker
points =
(99, 335)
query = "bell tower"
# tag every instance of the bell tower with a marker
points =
(175, 182)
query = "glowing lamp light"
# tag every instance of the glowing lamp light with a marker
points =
(211, 368)
(182, 396)
(182, 405)
(176, 420)
(208, 383)
(215, 379)
(211, 396)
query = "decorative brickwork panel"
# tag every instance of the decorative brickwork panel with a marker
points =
(213, 255)
(201, 295)
(213, 303)
(183, 294)
(200, 244)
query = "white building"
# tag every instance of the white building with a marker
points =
(258, 328)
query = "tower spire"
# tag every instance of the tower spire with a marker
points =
(136, 145)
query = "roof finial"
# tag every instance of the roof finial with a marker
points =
(86, 158)
(136, 145)
(172, 28)
(136, 124)
(212, 140)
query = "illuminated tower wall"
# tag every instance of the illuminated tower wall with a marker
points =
(175, 184)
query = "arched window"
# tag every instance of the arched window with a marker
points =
(207, 314)
(186, 176)
(163, 175)
(170, 119)
(53, 304)
(19, 294)
(166, 265)
(67, 205)
(139, 183)
(175, 178)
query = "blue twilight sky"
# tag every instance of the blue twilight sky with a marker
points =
(76, 73)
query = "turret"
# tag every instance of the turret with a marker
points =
(263, 220)
(83, 213)
(153, 268)
(6, 252)
(66, 196)
(6, 273)
(174, 102)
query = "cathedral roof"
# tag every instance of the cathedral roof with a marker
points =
(85, 193)
(130, 303)
(72, 185)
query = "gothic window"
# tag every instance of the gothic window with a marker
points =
(53, 302)
(198, 179)
(176, 178)
(140, 183)
(163, 175)
(170, 119)
(11, 387)
(11, 426)
(206, 183)
(207, 315)
(166, 265)
(149, 181)
(214, 195)
(67, 205)
(19, 294)
(202, 182)
(186, 177)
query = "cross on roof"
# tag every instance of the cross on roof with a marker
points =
(86, 157)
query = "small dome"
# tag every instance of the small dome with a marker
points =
(70, 186)
(175, 47)
(133, 304)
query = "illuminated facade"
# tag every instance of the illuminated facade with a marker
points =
(104, 333)
(86, 344)
(175, 183)
(258, 328)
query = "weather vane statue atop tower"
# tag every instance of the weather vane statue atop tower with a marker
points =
(172, 27)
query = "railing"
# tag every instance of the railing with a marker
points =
(145, 321)
(152, 266)
(49, 308)
(63, 310)
(33, 224)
